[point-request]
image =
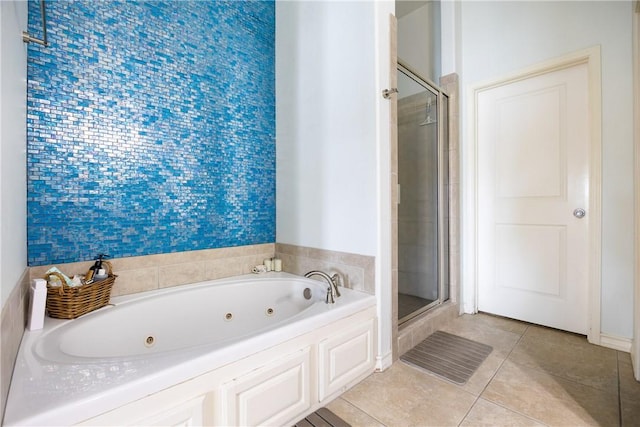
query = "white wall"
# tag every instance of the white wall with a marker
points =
(13, 78)
(450, 38)
(326, 125)
(333, 162)
(635, 349)
(499, 38)
(419, 41)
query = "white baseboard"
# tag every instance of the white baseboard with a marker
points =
(616, 343)
(383, 362)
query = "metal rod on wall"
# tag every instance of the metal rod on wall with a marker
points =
(28, 39)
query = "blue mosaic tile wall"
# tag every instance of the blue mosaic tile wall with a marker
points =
(150, 128)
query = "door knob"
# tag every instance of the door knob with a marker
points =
(579, 213)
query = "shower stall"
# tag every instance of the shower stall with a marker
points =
(423, 209)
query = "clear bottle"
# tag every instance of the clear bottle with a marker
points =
(101, 274)
(94, 269)
(37, 303)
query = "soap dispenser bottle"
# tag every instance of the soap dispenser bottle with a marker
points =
(100, 273)
(95, 269)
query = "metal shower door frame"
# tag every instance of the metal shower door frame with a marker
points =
(442, 190)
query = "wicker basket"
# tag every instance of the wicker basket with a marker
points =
(68, 302)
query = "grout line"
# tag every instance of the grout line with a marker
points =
(574, 381)
(541, 370)
(505, 359)
(469, 410)
(516, 412)
(496, 373)
(362, 410)
(619, 391)
(492, 377)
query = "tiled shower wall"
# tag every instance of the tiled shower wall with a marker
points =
(151, 128)
(418, 210)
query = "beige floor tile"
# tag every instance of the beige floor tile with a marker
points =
(503, 323)
(490, 330)
(405, 396)
(569, 339)
(351, 414)
(629, 387)
(485, 413)
(629, 391)
(569, 356)
(551, 399)
(630, 412)
(534, 376)
(624, 357)
(484, 374)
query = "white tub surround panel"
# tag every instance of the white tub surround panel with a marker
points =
(278, 386)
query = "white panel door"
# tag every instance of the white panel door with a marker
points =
(533, 182)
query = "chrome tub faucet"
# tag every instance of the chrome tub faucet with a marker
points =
(333, 281)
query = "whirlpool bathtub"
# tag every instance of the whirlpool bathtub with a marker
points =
(194, 346)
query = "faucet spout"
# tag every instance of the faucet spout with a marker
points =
(332, 290)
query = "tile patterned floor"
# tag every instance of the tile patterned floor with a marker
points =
(534, 377)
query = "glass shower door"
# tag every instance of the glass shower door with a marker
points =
(423, 205)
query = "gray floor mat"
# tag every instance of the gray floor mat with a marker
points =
(449, 356)
(322, 418)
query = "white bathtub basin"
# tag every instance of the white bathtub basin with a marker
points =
(198, 315)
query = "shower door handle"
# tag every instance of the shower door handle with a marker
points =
(579, 213)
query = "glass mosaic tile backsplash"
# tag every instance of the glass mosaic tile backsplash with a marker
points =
(150, 128)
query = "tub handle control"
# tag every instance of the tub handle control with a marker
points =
(330, 299)
(335, 279)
